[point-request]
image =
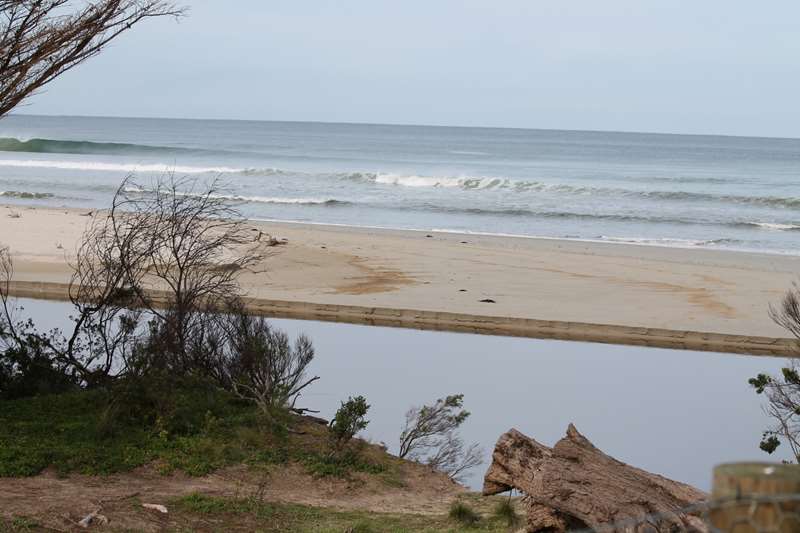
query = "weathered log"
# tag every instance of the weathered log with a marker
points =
(573, 485)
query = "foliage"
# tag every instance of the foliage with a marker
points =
(26, 369)
(430, 436)
(426, 425)
(350, 418)
(463, 514)
(783, 392)
(263, 366)
(783, 406)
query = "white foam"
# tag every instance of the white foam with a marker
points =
(437, 181)
(780, 227)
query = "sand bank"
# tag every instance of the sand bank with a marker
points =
(678, 298)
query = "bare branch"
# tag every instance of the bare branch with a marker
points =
(42, 39)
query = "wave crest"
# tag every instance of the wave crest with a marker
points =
(26, 195)
(57, 146)
(249, 199)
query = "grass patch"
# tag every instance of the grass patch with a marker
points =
(18, 525)
(505, 512)
(209, 430)
(264, 516)
(463, 514)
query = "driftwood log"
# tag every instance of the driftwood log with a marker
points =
(573, 486)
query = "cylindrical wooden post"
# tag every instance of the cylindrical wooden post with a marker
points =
(756, 497)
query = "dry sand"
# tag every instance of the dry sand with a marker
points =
(683, 298)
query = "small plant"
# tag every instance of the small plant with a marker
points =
(463, 514)
(505, 512)
(349, 420)
(21, 523)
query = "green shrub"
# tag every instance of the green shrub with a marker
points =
(350, 418)
(463, 514)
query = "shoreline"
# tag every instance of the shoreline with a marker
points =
(482, 325)
(651, 243)
(688, 298)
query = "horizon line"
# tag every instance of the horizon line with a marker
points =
(409, 125)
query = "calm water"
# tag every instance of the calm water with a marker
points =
(675, 190)
(677, 413)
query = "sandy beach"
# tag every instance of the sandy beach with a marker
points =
(671, 297)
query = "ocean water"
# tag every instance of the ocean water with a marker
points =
(673, 190)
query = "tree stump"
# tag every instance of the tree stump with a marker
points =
(573, 485)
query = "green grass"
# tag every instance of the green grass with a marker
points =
(18, 525)
(268, 517)
(208, 430)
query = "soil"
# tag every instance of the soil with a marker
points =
(59, 503)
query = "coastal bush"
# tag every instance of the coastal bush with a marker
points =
(350, 418)
(157, 303)
(783, 392)
(430, 436)
(262, 366)
(27, 370)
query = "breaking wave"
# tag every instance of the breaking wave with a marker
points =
(480, 183)
(772, 226)
(251, 199)
(55, 146)
(25, 195)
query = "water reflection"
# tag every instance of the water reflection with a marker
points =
(676, 413)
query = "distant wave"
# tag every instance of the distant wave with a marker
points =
(56, 146)
(489, 211)
(481, 183)
(681, 179)
(429, 181)
(645, 241)
(669, 242)
(772, 226)
(467, 152)
(116, 167)
(25, 195)
(252, 199)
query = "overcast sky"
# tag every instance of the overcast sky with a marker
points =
(716, 66)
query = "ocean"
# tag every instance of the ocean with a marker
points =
(672, 190)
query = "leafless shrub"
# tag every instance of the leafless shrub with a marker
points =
(156, 295)
(430, 436)
(183, 247)
(787, 314)
(156, 251)
(41, 39)
(454, 458)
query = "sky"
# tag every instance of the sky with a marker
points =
(717, 66)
